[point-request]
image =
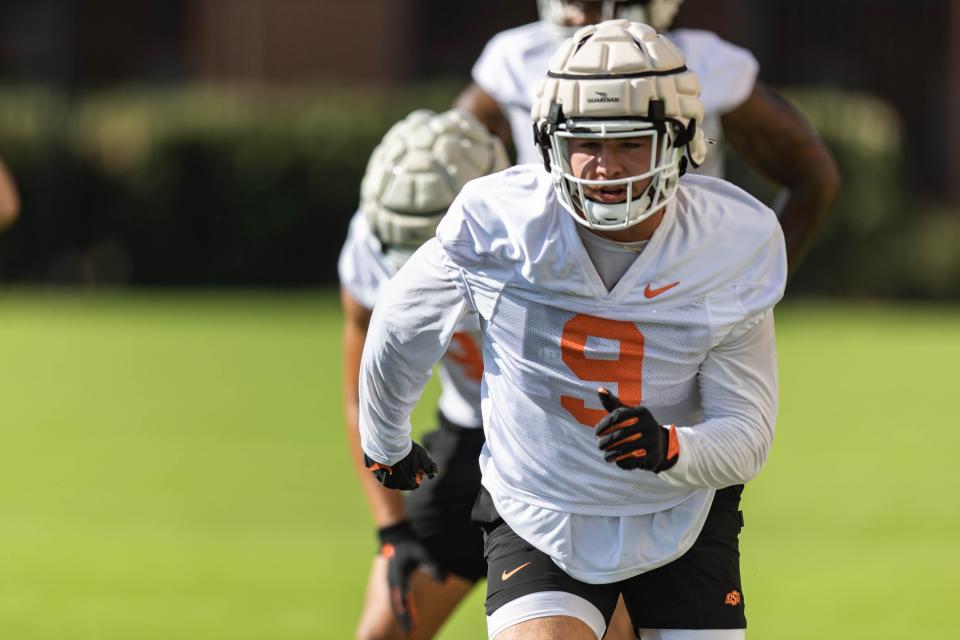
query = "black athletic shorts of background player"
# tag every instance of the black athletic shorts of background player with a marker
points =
(439, 511)
(699, 590)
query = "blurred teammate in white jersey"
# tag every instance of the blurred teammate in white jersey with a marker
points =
(609, 271)
(411, 179)
(763, 128)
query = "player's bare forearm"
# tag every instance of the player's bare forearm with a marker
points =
(801, 217)
(385, 505)
(9, 198)
(772, 136)
(484, 108)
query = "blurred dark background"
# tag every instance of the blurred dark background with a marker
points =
(221, 142)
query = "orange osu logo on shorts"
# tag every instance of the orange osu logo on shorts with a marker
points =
(733, 598)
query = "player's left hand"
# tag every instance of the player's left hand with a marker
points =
(632, 438)
(405, 553)
(408, 473)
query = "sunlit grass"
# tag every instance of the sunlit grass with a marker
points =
(173, 466)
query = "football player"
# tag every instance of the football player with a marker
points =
(411, 179)
(629, 382)
(763, 128)
(9, 199)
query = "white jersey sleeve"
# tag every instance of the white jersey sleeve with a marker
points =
(738, 376)
(509, 70)
(362, 266)
(492, 71)
(412, 325)
(727, 72)
(738, 388)
(364, 269)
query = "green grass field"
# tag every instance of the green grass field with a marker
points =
(173, 466)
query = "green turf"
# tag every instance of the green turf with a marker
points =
(173, 466)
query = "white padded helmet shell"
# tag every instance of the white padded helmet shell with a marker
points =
(419, 168)
(618, 79)
(659, 14)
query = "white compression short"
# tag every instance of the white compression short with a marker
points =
(560, 603)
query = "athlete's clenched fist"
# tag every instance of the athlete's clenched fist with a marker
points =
(405, 474)
(632, 438)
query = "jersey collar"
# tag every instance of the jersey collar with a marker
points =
(630, 279)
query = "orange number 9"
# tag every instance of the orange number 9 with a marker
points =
(626, 371)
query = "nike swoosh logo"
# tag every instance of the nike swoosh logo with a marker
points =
(653, 293)
(506, 575)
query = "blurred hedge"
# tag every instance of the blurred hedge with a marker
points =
(880, 239)
(233, 185)
(194, 185)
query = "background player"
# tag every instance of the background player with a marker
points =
(607, 271)
(411, 179)
(762, 127)
(9, 199)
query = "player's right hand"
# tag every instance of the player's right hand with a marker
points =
(407, 473)
(405, 553)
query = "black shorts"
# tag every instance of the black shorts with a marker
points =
(699, 590)
(439, 511)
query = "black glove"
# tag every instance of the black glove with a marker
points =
(405, 553)
(632, 438)
(406, 474)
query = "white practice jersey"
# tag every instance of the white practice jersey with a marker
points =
(687, 331)
(515, 62)
(364, 268)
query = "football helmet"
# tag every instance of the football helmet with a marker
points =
(418, 169)
(659, 14)
(619, 79)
